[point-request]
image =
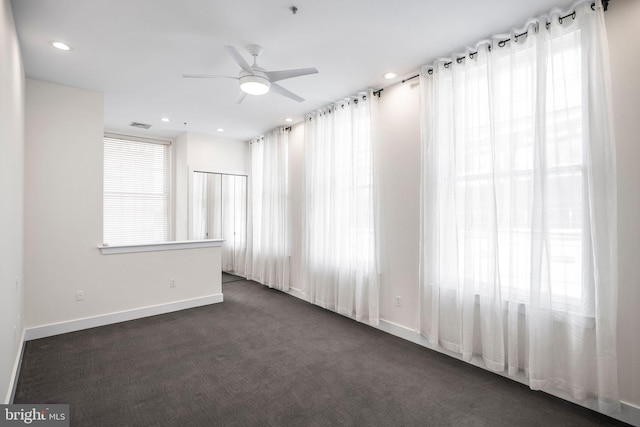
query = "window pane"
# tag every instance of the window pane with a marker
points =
(136, 192)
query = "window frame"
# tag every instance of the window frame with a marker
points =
(575, 301)
(169, 183)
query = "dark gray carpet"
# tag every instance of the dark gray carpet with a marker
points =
(228, 277)
(264, 358)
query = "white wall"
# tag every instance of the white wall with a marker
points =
(397, 142)
(11, 196)
(181, 188)
(63, 222)
(216, 154)
(622, 21)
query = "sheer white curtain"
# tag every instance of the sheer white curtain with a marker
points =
(339, 231)
(518, 221)
(199, 203)
(268, 249)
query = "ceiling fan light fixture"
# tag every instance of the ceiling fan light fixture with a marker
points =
(254, 85)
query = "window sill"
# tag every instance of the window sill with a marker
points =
(163, 246)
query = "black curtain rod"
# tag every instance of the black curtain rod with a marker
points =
(411, 78)
(502, 43)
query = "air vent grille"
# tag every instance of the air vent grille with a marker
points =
(139, 125)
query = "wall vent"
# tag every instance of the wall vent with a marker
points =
(139, 125)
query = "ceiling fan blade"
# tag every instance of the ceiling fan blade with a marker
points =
(239, 59)
(275, 76)
(207, 76)
(241, 96)
(284, 92)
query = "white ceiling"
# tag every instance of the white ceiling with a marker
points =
(135, 52)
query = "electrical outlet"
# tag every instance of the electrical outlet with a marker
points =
(79, 295)
(172, 283)
(398, 301)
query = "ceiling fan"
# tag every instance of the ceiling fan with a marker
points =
(255, 80)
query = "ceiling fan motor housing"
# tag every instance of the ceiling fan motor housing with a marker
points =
(256, 84)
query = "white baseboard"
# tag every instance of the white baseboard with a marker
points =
(13, 381)
(43, 331)
(629, 413)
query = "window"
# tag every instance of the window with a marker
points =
(136, 191)
(498, 154)
(492, 131)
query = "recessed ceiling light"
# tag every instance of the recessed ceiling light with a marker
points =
(220, 130)
(288, 119)
(165, 119)
(389, 76)
(60, 45)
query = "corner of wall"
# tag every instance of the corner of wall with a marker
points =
(12, 146)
